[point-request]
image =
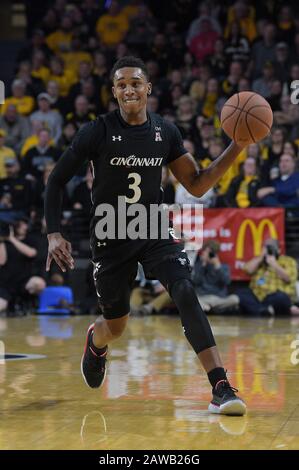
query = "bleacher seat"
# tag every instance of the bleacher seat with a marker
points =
(50, 298)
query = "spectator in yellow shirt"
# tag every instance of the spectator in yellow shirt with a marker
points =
(39, 70)
(64, 78)
(23, 103)
(112, 26)
(60, 40)
(5, 154)
(242, 191)
(272, 288)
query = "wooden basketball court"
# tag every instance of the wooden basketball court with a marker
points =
(155, 395)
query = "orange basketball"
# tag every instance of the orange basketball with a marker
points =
(246, 117)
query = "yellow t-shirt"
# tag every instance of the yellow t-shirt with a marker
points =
(242, 195)
(42, 73)
(73, 59)
(24, 105)
(59, 41)
(112, 29)
(247, 24)
(31, 141)
(64, 81)
(5, 154)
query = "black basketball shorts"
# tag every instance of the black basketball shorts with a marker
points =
(115, 268)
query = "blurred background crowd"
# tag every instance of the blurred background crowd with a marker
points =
(198, 54)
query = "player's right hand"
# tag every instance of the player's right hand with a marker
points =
(60, 250)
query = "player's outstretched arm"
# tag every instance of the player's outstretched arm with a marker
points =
(199, 181)
(59, 249)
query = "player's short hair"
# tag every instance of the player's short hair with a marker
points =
(129, 61)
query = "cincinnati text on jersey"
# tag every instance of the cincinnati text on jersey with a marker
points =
(132, 160)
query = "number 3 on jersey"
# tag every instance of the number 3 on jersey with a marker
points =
(135, 187)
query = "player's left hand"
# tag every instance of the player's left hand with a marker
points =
(59, 250)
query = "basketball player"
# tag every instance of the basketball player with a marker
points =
(132, 132)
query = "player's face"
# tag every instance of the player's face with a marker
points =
(131, 89)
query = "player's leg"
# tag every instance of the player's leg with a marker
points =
(174, 273)
(113, 291)
(199, 334)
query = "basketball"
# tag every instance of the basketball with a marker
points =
(246, 118)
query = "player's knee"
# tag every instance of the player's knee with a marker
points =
(183, 290)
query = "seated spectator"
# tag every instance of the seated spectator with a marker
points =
(34, 85)
(263, 84)
(17, 128)
(68, 133)
(37, 45)
(17, 249)
(288, 116)
(112, 26)
(237, 45)
(186, 113)
(244, 15)
(81, 114)
(271, 154)
(275, 95)
(39, 68)
(211, 279)
(5, 154)
(284, 190)
(24, 103)
(60, 40)
(15, 193)
(272, 285)
(58, 102)
(64, 77)
(35, 160)
(203, 44)
(75, 55)
(242, 191)
(230, 83)
(207, 106)
(263, 50)
(48, 117)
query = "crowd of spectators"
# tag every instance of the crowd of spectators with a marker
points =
(198, 54)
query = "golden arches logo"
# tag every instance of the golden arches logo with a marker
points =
(257, 231)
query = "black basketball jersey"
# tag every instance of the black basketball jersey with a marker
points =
(126, 160)
(129, 159)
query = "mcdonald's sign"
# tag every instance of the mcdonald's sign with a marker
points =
(241, 233)
(257, 230)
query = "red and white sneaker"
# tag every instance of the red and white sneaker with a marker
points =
(93, 366)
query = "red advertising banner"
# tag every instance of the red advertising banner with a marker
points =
(241, 233)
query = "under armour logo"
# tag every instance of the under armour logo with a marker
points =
(158, 137)
(101, 244)
(116, 137)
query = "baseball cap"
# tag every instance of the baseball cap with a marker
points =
(44, 96)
